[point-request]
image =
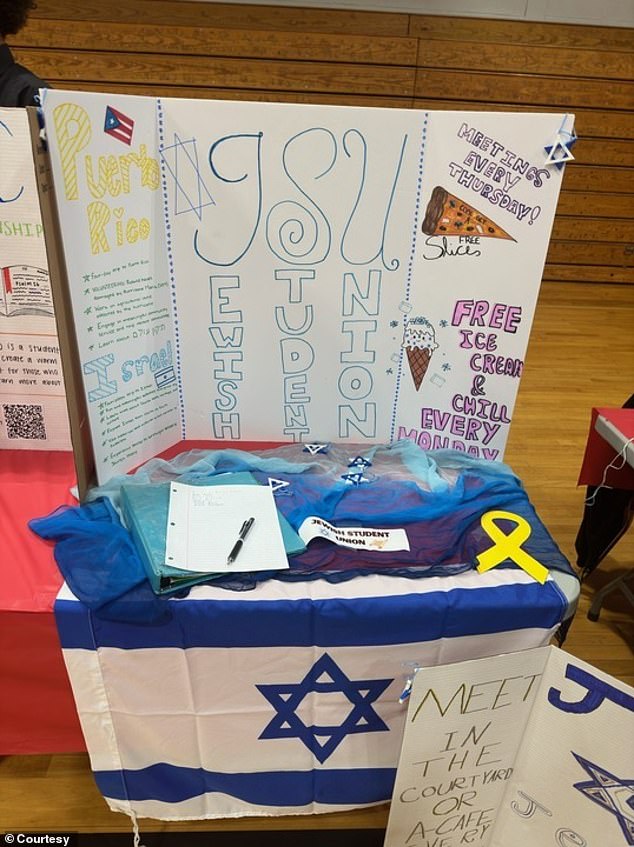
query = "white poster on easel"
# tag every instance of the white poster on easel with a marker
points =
(297, 273)
(523, 749)
(33, 412)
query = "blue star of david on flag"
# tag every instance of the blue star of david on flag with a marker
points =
(354, 478)
(359, 462)
(614, 794)
(118, 125)
(325, 677)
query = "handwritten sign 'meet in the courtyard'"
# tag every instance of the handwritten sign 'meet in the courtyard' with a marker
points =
(522, 749)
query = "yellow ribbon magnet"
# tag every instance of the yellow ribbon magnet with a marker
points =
(509, 546)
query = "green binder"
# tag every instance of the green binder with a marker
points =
(145, 508)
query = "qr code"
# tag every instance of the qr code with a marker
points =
(24, 421)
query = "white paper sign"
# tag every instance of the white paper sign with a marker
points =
(33, 412)
(285, 272)
(204, 522)
(359, 537)
(523, 749)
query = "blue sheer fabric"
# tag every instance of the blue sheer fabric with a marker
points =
(437, 497)
(99, 561)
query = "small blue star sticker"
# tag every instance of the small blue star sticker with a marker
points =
(325, 677)
(279, 486)
(359, 462)
(313, 449)
(354, 478)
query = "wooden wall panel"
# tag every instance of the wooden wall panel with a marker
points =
(171, 13)
(228, 51)
(521, 33)
(509, 58)
(517, 87)
(212, 72)
(138, 38)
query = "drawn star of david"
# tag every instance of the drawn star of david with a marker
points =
(324, 677)
(614, 794)
(189, 187)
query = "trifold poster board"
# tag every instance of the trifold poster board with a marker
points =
(263, 272)
(520, 750)
(33, 412)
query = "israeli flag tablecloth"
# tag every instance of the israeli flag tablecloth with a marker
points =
(284, 699)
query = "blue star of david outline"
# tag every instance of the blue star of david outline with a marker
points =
(354, 478)
(325, 676)
(359, 462)
(313, 449)
(179, 189)
(559, 153)
(279, 487)
(602, 789)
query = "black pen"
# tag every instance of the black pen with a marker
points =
(244, 531)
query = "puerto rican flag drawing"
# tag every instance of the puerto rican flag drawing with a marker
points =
(118, 125)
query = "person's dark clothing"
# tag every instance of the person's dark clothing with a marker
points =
(18, 86)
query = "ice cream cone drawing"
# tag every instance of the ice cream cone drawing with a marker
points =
(419, 341)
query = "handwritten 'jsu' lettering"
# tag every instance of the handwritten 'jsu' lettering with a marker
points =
(297, 228)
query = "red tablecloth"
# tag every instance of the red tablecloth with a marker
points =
(37, 710)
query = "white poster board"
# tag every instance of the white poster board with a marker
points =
(33, 412)
(296, 273)
(523, 749)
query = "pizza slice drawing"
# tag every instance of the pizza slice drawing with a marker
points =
(447, 214)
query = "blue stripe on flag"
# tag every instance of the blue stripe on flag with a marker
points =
(366, 621)
(172, 784)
